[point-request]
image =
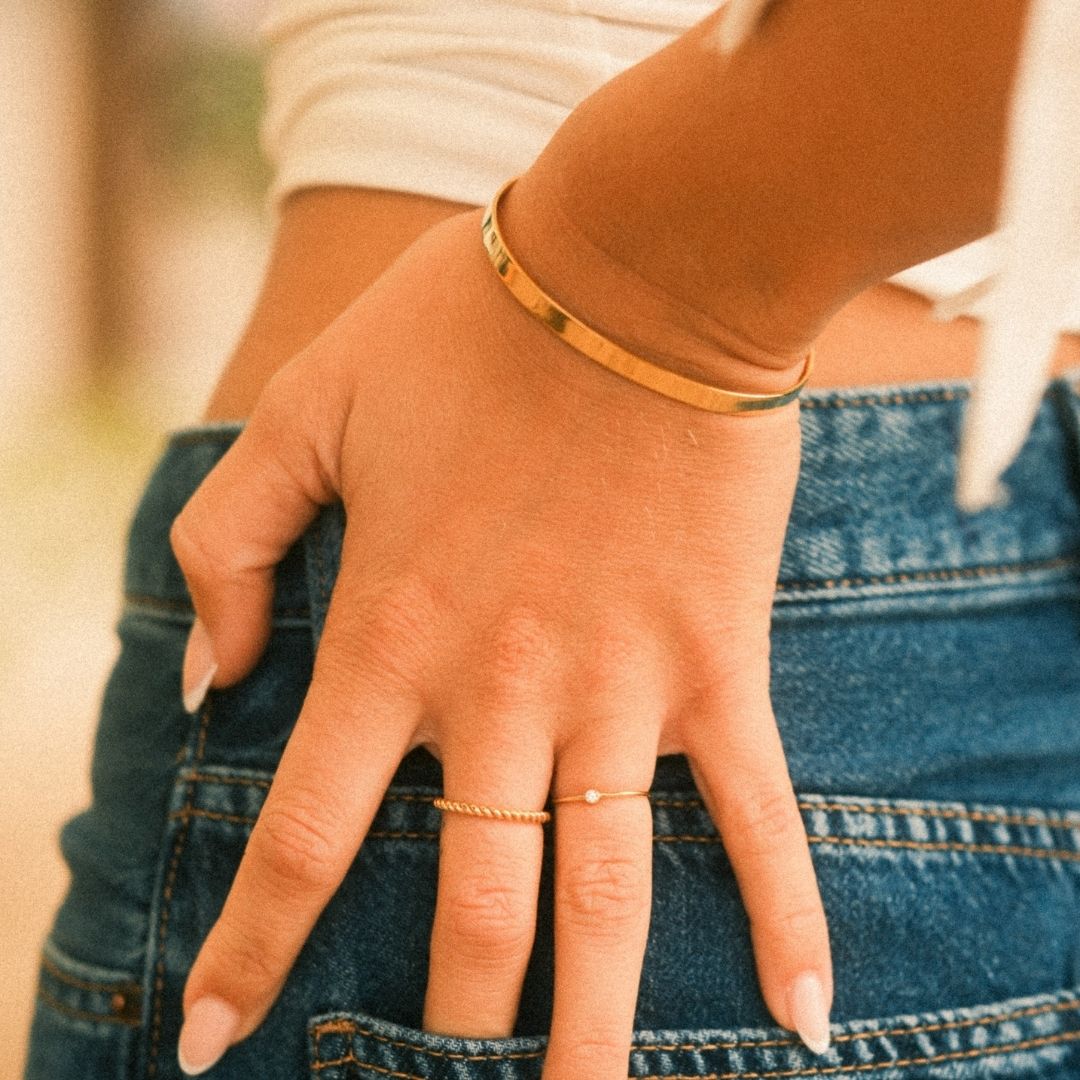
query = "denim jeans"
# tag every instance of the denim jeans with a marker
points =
(926, 681)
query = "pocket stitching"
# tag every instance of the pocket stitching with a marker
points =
(776, 1074)
(339, 1027)
(1020, 851)
(949, 813)
(946, 812)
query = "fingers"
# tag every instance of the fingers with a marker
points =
(240, 522)
(737, 760)
(489, 880)
(603, 900)
(356, 725)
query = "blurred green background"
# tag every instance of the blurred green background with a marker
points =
(133, 235)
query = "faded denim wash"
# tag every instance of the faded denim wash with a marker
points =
(926, 680)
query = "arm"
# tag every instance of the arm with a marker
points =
(742, 199)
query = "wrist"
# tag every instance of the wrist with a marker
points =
(621, 303)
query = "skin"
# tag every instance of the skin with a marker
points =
(482, 452)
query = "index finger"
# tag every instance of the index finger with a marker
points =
(356, 725)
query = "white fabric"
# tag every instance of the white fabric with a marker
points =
(450, 99)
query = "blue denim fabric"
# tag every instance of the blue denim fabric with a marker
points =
(926, 680)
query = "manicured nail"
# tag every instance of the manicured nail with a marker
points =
(810, 1017)
(200, 666)
(209, 1028)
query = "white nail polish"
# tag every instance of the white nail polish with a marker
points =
(209, 1029)
(200, 667)
(809, 1016)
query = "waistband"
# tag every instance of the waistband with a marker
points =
(873, 519)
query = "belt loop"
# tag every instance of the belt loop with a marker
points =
(322, 554)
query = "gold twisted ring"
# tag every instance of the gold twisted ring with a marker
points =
(478, 810)
(538, 817)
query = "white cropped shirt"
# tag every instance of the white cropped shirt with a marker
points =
(451, 99)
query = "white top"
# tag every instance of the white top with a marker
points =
(451, 99)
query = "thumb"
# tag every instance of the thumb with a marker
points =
(240, 522)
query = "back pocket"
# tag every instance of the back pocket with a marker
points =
(1023, 1037)
(955, 932)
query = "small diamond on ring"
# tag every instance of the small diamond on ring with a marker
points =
(592, 795)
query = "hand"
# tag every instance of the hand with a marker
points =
(550, 576)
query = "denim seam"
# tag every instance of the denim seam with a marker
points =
(856, 1036)
(244, 819)
(167, 894)
(896, 397)
(775, 1074)
(1052, 854)
(946, 574)
(984, 816)
(119, 986)
(242, 781)
(349, 1027)
(964, 815)
(870, 1066)
(915, 811)
(79, 1014)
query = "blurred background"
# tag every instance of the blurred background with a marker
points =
(133, 236)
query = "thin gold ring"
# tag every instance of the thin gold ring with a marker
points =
(538, 817)
(593, 796)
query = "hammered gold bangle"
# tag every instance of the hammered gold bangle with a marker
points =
(605, 352)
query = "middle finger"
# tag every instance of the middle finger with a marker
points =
(489, 878)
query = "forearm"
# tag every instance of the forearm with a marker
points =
(754, 194)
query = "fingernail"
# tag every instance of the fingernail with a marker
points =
(809, 1016)
(200, 666)
(209, 1028)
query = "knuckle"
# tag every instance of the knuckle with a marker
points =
(398, 627)
(766, 818)
(489, 919)
(598, 1053)
(295, 848)
(516, 648)
(613, 663)
(202, 554)
(190, 548)
(244, 961)
(801, 925)
(606, 892)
